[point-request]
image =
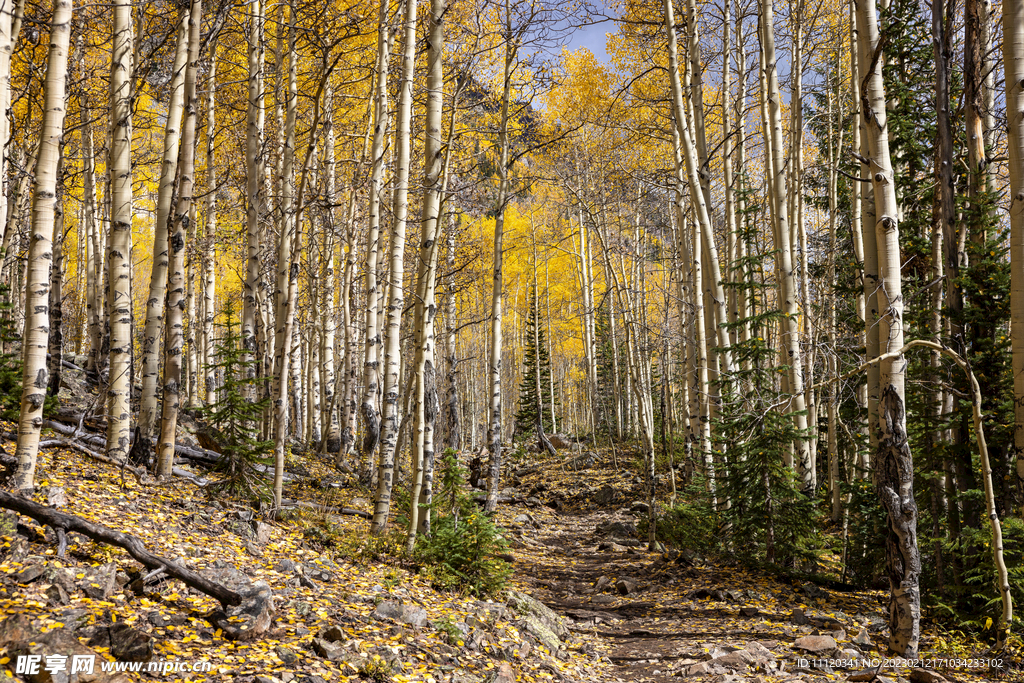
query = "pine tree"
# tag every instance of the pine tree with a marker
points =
(234, 418)
(535, 353)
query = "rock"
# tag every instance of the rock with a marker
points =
(539, 620)
(503, 674)
(315, 571)
(639, 507)
(525, 520)
(329, 650)
(812, 590)
(285, 655)
(396, 611)
(625, 586)
(612, 547)
(816, 644)
(863, 638)
(748, 612)
(227, 575)
(333, 634)
(249, 619)
(705, 669)
(533, 502)
(261, 532)
(603, 583)
(285, 566)
(30, 573)
(607, 495)
(862, 676)
(56, 595)
(798, 617)
(126, 644)
(100, 582)
(618, 529)
(19, 638)
(925, 676)
(707, 593)
(602, 600)
(56, 497)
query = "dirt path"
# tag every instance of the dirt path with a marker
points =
(629, 605)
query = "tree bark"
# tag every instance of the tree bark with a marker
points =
(119, 302)
(1013, 69)
(371, 423)
(174, 334)
(154, 327)
(894, 466)
(396, 288)
(37, 284)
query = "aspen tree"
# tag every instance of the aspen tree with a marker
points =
(119, 300)
(287, 268)
(332, 432)
(1013, 69)
(37, 283)
(174, 334)
(494, 351)
(7, 38)
(371, 424)
(425, 307)
(894, 466)
(396, 289)
(788, 293)
(209, 270)
(56, 332)
(255, 177)
(154, 327)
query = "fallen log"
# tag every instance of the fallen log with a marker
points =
(286, 502)
(64, 522)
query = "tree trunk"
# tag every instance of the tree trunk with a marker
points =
(1013, 66)
(894, 467)
(396, 289)
(158, 278)
(56, 339)
(255, 177)
(209, 274)
(372, 331)
(425, 392)
(119, 300)
(174, 337)
(37, 289)
(494, 352)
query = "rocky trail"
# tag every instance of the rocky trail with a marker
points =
(661, 617)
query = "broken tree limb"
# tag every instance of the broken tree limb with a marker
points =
(287, 502)
(134, 547)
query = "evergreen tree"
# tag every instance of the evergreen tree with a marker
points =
(234, 418)
(10, 360)
(535, 357)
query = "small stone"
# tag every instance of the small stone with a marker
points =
(816, 644)
(748, 612)
(287, 656)
(925, 676)
(625, 586)
(396, 611)
(56, 595)
(503, 674)
(29, 573)
(799, 618)
(863, 638)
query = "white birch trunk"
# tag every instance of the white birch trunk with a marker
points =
(37, 291)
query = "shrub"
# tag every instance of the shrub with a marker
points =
(462, 549)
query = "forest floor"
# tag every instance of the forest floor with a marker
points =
(348, 608)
